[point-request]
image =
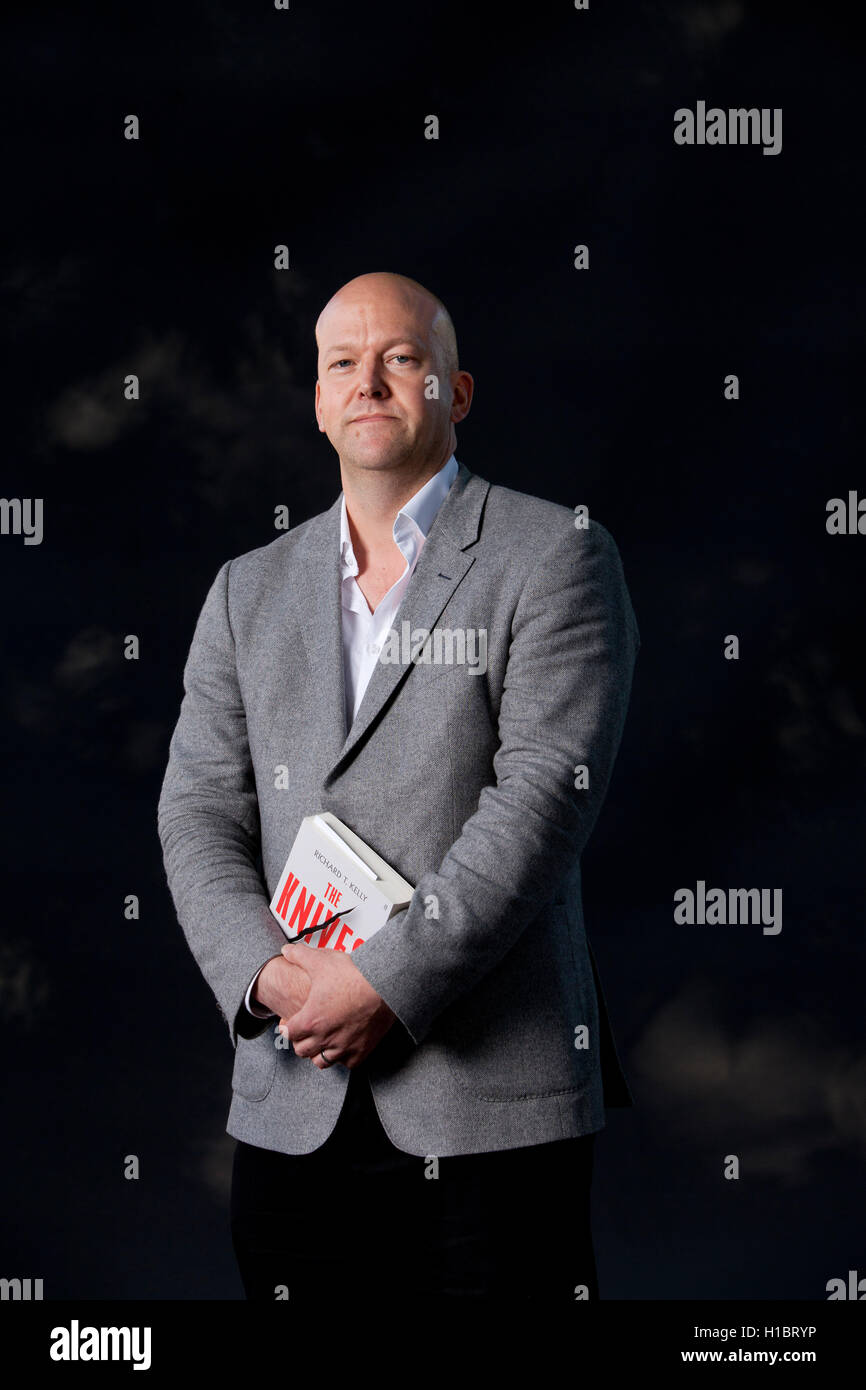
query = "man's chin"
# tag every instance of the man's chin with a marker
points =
(373, 458)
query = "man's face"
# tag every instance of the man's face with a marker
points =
(376, 350)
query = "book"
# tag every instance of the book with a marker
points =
(335, 891)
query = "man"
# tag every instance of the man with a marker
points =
(417, 1115)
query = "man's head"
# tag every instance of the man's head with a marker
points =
(380, 339)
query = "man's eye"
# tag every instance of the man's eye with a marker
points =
(340, 363)
(404, 355)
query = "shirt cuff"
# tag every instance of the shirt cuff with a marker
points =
(252, 1005)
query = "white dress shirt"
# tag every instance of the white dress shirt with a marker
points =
(364, 632)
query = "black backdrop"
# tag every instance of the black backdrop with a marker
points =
(602, 386)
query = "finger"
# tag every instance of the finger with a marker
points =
(313, 1047)
(300, 1027)
(313, 1044)
(289, 1020)
(285, 1027)
(319, 1061)
(289, 948)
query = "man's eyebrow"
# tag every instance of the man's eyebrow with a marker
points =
(395, 342)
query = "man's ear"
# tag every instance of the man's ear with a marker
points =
(318, 408)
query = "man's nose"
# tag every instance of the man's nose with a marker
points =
(372, 380)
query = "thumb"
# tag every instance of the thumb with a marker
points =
(298, 953)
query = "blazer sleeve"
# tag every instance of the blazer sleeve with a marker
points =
(208, 822)
(574, 641)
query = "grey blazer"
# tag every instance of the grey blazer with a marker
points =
(465, 781)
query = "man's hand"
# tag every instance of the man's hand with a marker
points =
(343, 1015)
(282, 987)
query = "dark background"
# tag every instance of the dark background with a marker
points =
(602, 387)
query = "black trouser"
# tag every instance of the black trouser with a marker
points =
(357, 1219)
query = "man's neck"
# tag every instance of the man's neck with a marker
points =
(374, 498)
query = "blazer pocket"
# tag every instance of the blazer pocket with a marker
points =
(255, 1066)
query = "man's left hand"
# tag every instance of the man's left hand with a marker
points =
(343, 1015)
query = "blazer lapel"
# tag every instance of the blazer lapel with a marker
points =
(441, 566)
(316, 593)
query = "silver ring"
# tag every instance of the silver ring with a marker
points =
(324, 1058)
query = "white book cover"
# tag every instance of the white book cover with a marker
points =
(335, 891)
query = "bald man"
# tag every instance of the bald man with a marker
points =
(391, 441)
(415, 1116)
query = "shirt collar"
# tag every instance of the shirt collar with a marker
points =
(419, 512)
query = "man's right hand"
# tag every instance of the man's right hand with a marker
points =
(281, 987)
